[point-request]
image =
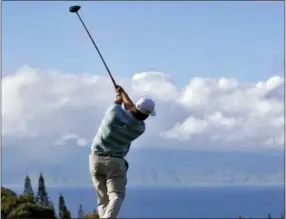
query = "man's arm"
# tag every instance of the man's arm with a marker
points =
(119, 99)
(128, 104)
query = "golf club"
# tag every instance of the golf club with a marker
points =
(75, 9)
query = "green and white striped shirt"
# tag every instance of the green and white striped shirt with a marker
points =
(116, 131)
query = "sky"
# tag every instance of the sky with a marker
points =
(184, 39)
(214, 69)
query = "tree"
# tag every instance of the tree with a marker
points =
(14, 206)
(91, 215)
(63, 210)
(42, 195)
(80, 211)
(28, 189)
(52, 207)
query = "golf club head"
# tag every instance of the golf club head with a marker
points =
(74, 8)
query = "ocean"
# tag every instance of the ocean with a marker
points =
(190, 202)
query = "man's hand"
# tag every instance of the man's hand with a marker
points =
(126, 100)
(119, 90)
(119, 99)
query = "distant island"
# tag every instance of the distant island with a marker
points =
(192, 167)
(31, 205)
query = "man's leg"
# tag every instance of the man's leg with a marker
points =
(99, 182)
(116, 187)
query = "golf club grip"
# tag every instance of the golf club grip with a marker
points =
(99, 53)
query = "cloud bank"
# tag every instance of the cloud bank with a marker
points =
(64, 108)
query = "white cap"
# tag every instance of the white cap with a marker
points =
(146, 105)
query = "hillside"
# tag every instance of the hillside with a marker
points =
(164, 167)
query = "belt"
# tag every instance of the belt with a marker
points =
(107, 155)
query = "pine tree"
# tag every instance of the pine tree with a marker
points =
(80, 211)
(61, 205)
(51, 204)
(42, 195)
(63, 210)
(28, 189)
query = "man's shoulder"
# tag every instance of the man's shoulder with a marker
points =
(122, 115)
(115, 108)
(115, 114)
(139, 127)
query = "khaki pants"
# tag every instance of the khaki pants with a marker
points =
(109, 178)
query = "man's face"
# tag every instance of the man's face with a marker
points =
(137, 114)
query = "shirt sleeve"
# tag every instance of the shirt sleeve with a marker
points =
(116, 111)
(116, 108)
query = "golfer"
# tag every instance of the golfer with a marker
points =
(123, 123)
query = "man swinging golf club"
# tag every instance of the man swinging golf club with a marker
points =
(123, 123)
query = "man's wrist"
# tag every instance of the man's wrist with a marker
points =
(118, 102)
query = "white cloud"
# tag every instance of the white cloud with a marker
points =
(206, 112)
(81, 142)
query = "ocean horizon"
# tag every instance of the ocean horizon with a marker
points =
(197, 201)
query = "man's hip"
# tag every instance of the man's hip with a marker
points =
(107, 164)
(104, 154)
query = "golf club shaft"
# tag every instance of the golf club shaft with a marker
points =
(102, 59)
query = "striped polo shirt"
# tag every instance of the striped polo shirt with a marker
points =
(116, 131)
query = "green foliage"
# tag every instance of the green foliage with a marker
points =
(27, 206)
(29, 210)
(63, 210)
(52, 206)
(14, 206)
(93, 215)
(28, 189)
(7, 192)
(42, 195)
